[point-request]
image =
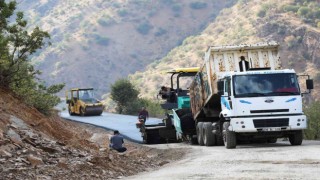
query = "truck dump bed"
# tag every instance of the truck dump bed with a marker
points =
(227, 59)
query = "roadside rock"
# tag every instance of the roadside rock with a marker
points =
(100, 139)
(14, 137)
(4, 153)
(62, 163)
(1, 135)
(18, 123)
(35, 161)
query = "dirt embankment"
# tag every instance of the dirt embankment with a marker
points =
(33, 146)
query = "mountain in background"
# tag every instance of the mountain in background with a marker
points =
(293, 24)
(97, 42)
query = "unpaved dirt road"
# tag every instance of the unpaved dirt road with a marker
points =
(253, 161)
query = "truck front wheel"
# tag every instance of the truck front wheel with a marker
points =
(229, 137)
(82, 111)
(70, 111)
(208, 137)
(296, 138)
(199, 133)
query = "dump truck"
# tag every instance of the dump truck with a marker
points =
(242, 94)
(81, 101)
(177, 103)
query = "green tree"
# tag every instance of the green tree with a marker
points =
(16, 72)
(123, 93)
(313, 115)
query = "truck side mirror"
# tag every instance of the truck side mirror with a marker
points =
(309, 83)
(220, 88)
(68, 101)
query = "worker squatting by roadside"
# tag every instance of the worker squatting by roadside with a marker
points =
(116, 142)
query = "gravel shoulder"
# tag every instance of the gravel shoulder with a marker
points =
(253, 161)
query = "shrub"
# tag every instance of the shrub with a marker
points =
(291, 41)
(116, 5)
(262, 13)
(317, 78)
(104, 41)
(303, 11)
(144, 28)
(291, 8)
(306, 55)
(198, 5)
(167, 1)
(122, 12)
(106, 21)
(313, 115)
(153, 108)
(101, 40)
(160, 32)
(317, 13)
(176, 8)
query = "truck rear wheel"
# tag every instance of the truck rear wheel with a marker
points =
(273, 140)
(199, 133)
(296, 138)
(229, 137)
(192, 139)
(208, 137)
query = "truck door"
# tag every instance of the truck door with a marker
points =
(228, 91)
(226, 96)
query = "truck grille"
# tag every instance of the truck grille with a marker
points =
(269, 111)
(260, 123)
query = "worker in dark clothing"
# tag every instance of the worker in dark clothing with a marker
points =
(143, 114)
(164, 92)
(243, 64)
(116, 142)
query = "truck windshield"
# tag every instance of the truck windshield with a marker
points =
(282, 84)
(86, 94)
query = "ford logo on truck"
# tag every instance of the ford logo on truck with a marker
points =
(269, 101)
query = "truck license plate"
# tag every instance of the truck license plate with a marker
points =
(272, 129)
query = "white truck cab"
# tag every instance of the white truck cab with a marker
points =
(266, 100)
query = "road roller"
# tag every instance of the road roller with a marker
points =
(81, 101)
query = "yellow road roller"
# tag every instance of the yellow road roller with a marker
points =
(81, 101)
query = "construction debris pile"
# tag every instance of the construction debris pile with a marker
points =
(35, 147)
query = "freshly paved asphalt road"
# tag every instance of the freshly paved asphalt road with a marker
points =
(124, 123)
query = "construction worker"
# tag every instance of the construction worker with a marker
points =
(243, 64)
(143, 114)
(116, 142)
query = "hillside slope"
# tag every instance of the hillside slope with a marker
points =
(237, 25)
(33, 146)
(98, 42)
